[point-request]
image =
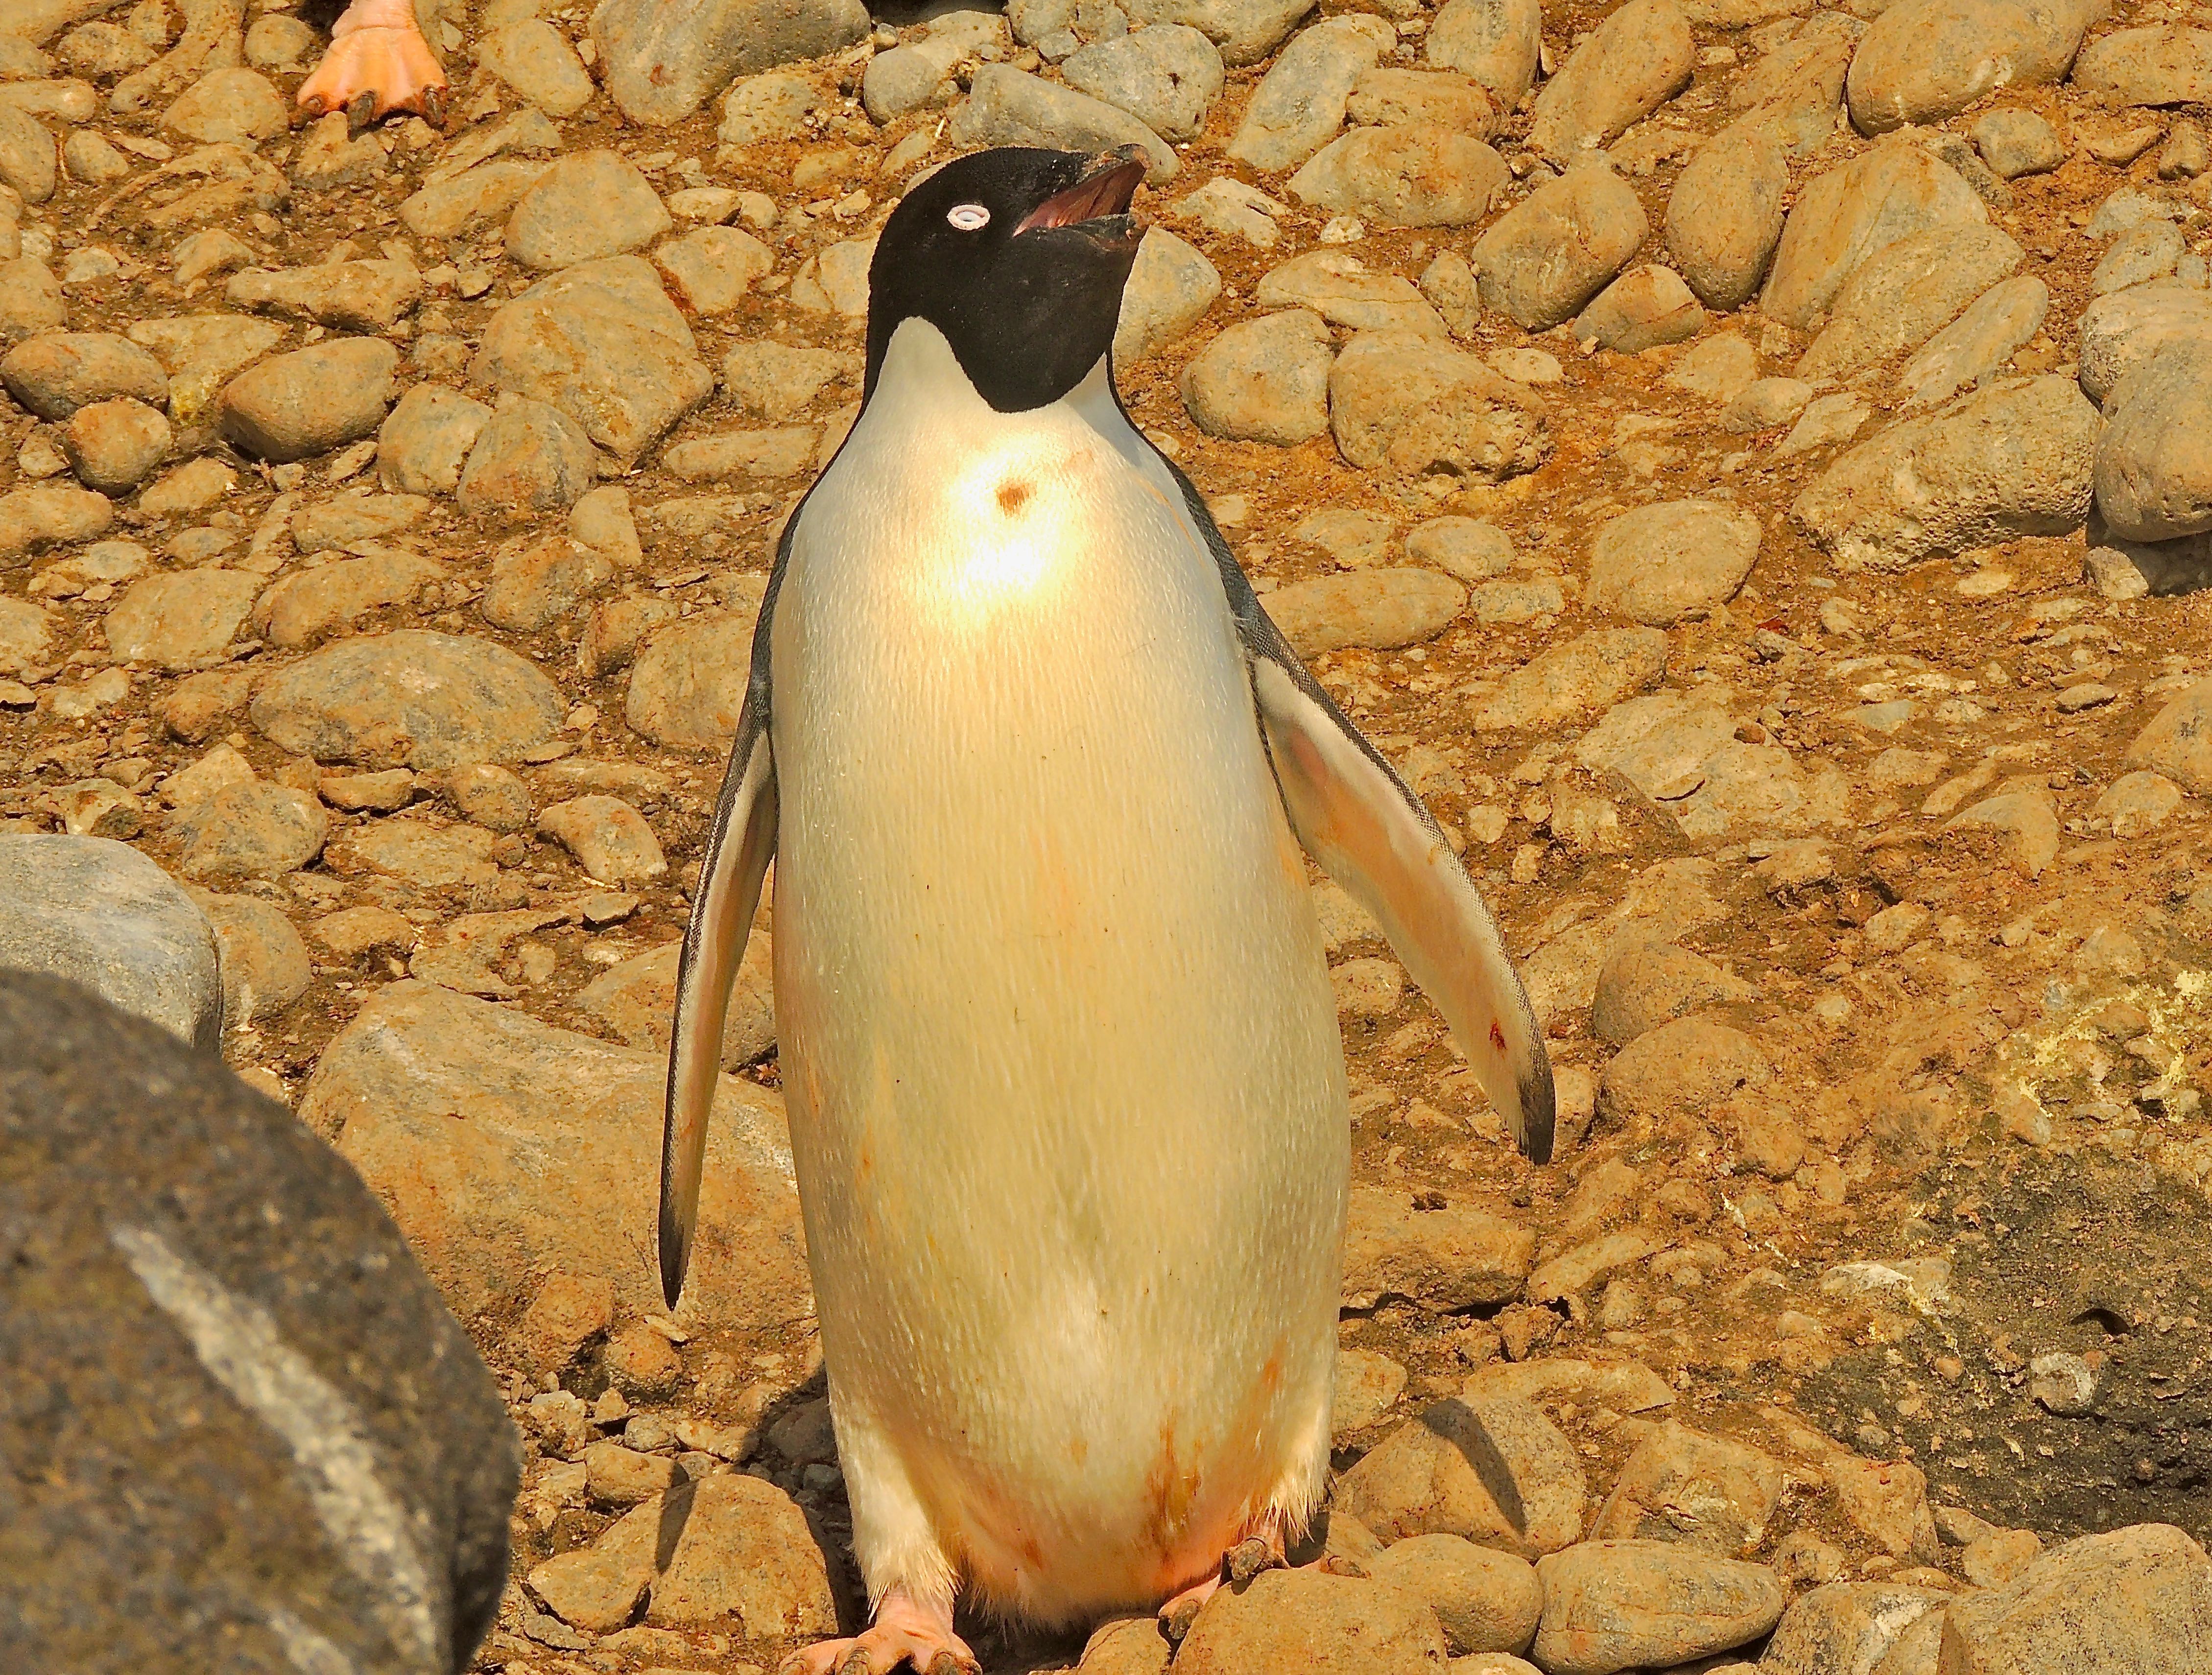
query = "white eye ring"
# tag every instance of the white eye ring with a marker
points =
(967, 217)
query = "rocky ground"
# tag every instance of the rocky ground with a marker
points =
(1745, 466)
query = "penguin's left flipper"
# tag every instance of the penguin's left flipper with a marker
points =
(740, 844)
(1371, 832)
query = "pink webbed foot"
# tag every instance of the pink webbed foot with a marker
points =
(1181, 1611)
(902, 1632)
(377, 63)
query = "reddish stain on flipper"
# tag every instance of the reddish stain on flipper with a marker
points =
(1497, 1035)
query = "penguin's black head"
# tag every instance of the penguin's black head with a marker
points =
(1018, 257)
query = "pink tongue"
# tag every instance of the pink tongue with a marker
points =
(1105, 193)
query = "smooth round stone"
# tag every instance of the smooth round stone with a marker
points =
(56, 374)
(1483, 1599)
(1640, 57)
(1468, 547)
(1645, 307)
(587, 206)
(1549, 254)
(1263, 380)
(298, 405)
(529, 457)
(233, 107)
(102, 915)
(1318, 1623)
(1725, 214)
(1495, 42)
(114, 445)
(1381, 609)
(1922, 61)
(1659, 564)
(2017, 142)
(431, 700)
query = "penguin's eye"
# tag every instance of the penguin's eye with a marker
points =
(967, 217)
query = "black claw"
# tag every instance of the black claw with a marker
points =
(361, 111)
(434, 106)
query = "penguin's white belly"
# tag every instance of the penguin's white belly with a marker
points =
(1066, 1097)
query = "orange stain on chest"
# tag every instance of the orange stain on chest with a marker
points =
(1169, 1488)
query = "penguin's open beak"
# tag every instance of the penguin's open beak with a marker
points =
(1098, 203)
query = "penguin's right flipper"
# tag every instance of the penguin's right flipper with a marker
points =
(739, 847)
(1372, 834)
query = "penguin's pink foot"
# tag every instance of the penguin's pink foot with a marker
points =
(1181, 1611)
(904, 1632)
(377, 63)
(1262, 1549)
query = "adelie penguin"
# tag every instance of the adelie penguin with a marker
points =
(1066, 1093)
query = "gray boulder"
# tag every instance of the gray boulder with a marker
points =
(1725, 214)
(1645, 307)
(1170, 289)
(1416, 406)
(1848, 1626)
(1494, 41)
(2166, 66)
(2125, 329)
(1262, 380)
(1610, 1605)
(2154, 459)
(1167, 76)
(2138, 1600)
(1552, 252)
(1794, 92)
(501, 1232)
(2015, 142)
(2017, 458)
(1924, 60)
(906, 78)
(1419, 174)
(1633, 63)
(1845, 216)
(588, 206)
(1904, 293)
(256, 1436)
(1314, 1621)
(1972, 348)
(601, 342)
(660, 63)
(1009, 106)
(298, 405)
(2149, 250)
(102, 915)
(1299, 106)
(1246, 30)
